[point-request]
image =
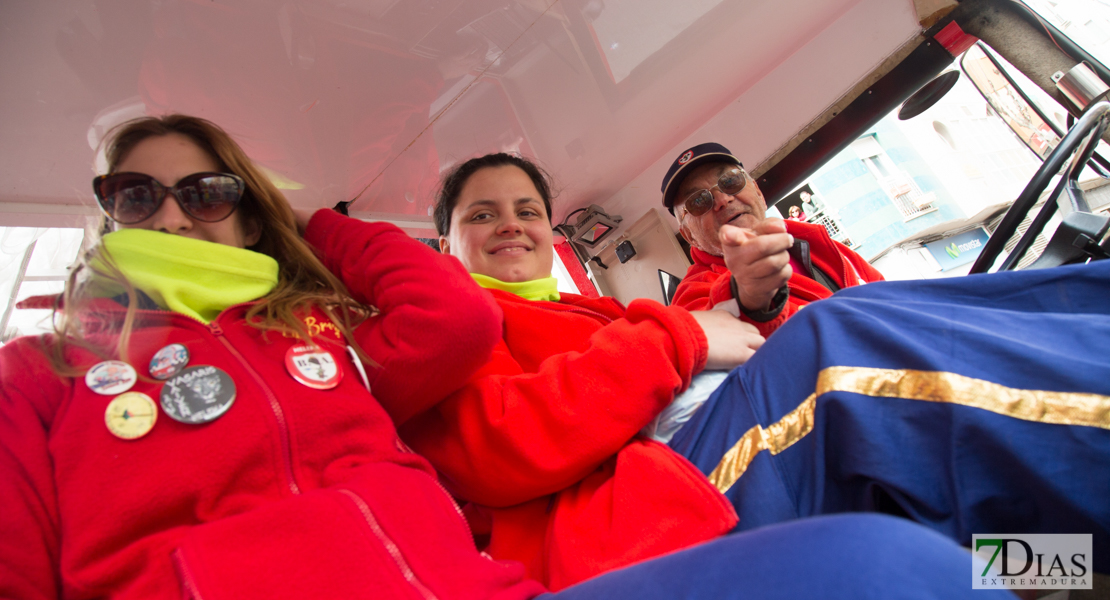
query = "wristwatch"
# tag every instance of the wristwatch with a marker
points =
(778, 302)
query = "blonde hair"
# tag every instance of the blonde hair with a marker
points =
(303, 281)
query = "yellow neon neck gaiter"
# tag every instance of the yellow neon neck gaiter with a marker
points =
(191, 277)
(537, 289)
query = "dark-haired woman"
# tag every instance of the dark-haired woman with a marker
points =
(543, 438)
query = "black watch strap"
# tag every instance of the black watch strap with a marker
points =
(778, 302)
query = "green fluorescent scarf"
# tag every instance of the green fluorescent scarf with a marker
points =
(537, 289)
(191, 277)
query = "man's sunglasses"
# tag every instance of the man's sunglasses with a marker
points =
(129, 198)
(731, 182)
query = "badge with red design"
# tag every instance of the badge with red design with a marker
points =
(685, 158)
(313, 366)
(169, 361)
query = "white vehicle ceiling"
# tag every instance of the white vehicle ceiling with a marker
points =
(372, 99)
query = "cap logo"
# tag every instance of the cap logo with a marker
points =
(685, 158)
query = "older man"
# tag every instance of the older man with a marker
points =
(910, 398)
(761, 270)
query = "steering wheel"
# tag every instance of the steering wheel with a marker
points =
(1067, 244)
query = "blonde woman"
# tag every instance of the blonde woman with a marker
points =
(201, 424)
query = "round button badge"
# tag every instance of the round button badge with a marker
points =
(130, 415)
(111, 377)
(169, 361)
(313, 366)
(198, 395)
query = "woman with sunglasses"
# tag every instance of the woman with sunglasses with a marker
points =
(200, 422)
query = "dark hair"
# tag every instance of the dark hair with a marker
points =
(453, 184)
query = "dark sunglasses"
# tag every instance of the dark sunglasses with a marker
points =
(731, 182)
(129, 198)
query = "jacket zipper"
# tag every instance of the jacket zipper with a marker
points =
(275, 406)
(390, 546)
(458, 511)
(191, 591)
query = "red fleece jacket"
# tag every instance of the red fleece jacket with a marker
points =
(707, 282)
(294, 492)
(543, 439)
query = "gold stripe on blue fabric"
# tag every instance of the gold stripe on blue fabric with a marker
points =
(1058, 408)
(777, 437)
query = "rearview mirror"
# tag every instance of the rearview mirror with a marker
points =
(1015, 108)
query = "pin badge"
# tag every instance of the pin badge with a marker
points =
(313, 366)
(169, 361)
(111, 377)
(198, 395)
(130, 415)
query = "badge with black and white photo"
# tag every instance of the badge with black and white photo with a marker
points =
(198, 395)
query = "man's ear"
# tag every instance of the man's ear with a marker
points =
(444, 245)
(759, 192)
(686, 235)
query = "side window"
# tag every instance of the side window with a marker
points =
(805, 204)
(33, 261)
(901, 188)
(832, 225)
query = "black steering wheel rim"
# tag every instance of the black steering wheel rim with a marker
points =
(1089, 129)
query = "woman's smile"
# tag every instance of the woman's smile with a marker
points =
(510, 249)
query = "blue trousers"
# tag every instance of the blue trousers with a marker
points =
(842, 556)
(970, 405)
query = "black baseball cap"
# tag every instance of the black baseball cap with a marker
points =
(687, 161)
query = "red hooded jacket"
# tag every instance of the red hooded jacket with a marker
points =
(543, 439)
(294, 492)
(708, 281)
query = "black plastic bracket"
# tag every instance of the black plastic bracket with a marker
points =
(1075, 240)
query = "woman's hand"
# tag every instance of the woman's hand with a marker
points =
(731, 341)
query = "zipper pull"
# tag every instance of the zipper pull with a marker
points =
(215, 328)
